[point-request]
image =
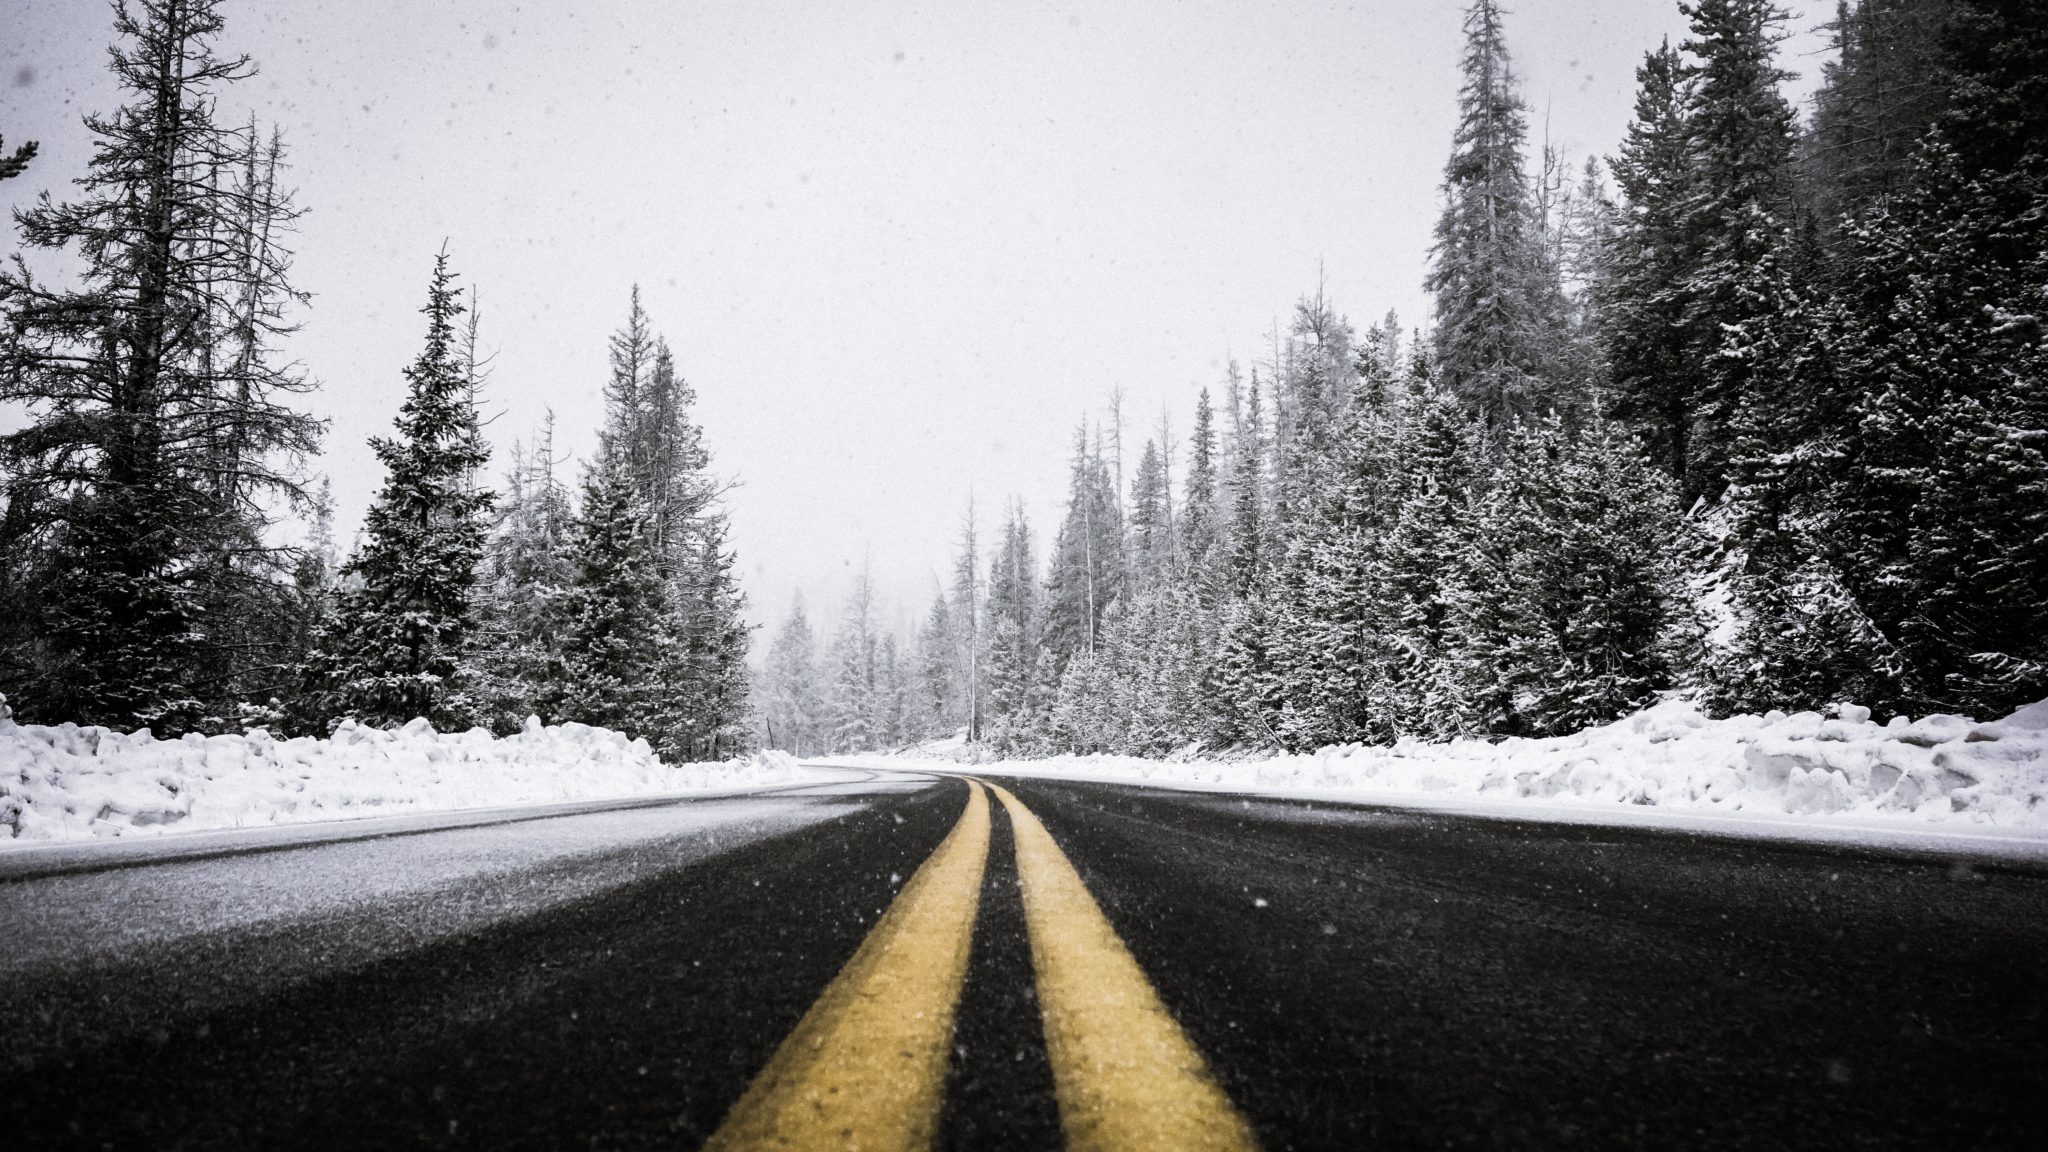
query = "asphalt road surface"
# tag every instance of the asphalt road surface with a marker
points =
(903, 961)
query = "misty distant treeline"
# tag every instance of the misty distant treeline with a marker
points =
(148, 574)
(1763, 418)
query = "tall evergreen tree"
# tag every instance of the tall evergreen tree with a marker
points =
(618, 650)
(1151, 517)
(970, 636)
(1499, 309)
(648, 419)
(1943, 541)
(1012, 611)
(1654, 376)
(400, 646)
(792, 697)
(711, 680)
(940, 692)
(1198, 538)
(855, 701)
(1575, 611)
(1879, 95)
(528, 574)
(1248, 498)
(1085, 572)
(143, 487)
(1739, 282)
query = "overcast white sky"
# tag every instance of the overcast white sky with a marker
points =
(899, 249)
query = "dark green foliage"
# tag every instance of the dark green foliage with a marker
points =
(618, 650)
(141, 580)
(528, 574)
(15, 165)
(400, 646)
(1641, 292)
(1500, 313)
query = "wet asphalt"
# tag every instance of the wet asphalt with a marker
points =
(1357, 978)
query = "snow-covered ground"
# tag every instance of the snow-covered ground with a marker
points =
(67, 782)
(1788, 772)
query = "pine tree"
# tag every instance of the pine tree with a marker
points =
(1328, 658)
(711, 679)
(1738, 283)
(1499, 308)
(1248, 505)
(1013, 626)
(970, 637)
(1574, 612)
(705, 710)
(939, 690)
(156, 453)
(854, 704)
(528, 573)
(1943, 542)
(1653, 375)
(792, 699)
(1423, 567)
(1199, 537)
(1085, 569)
(617, 649)
(1151, 517)
(892, 697)
(15, 165)
(1878, 96)
(399, 648)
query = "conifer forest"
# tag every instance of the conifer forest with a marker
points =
(167, 557)
(1753, 406)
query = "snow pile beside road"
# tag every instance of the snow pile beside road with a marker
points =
(1940, 768)
(66, 782)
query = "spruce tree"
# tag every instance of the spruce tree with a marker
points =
(1423, 567)
(855, 700)
(1084, 572)
(157, 449)
(1943, 543)
(1013, 625)
(704, 710)
(1330, 661)
(1738, 283)
(1199, 538)
(1878, 96)
(617, 649)
(1499, 308)
(1574, 611)
(792, 699)
(528, 573)
(1654, 379)
(970, 634)
(1247, 499)
(939, 688)
(1151, 517)
(399, 649)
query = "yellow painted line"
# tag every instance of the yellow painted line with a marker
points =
(866, 1066)
(1128, 1079)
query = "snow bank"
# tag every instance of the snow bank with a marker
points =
(66, 782)
(1938, 769)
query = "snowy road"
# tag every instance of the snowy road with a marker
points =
(1335, 977)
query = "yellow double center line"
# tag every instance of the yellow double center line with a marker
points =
(866, 1066)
